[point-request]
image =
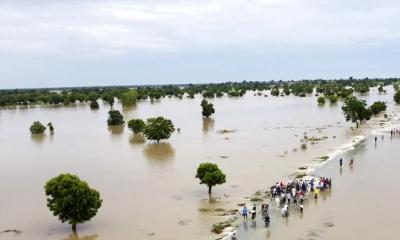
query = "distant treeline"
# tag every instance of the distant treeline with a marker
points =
(129, 94)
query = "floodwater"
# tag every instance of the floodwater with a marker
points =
(361, 204)
(148, 189)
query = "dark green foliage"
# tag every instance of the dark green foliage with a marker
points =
(94, 104)
(208, 108)
(378, 107)
(275, 92)
(37, 128)
(158, 128)
(396, 97)
(136, 125)
(210, 174)
(71, 199)
(355, 110)
(342, 88)
(51, 128)
(321, 100)
(380, 89)
(115, 118)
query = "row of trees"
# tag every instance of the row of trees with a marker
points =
(74, 201)
(128, 95)
(156, 128)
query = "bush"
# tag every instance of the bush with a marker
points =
(37, 128)
(333, 98)
(115, 118)
(136, 125)
(94, 104)
(321, 100)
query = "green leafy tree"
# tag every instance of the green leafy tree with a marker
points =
(115, 118)
(210, 175)
(71, 199)
(378, 107)
(94, 104)
(158, 128)
(37, 128)
(321, 100)
(208, 108)
(136, 125)
(396, 97)
(129, 98)
(355, 110)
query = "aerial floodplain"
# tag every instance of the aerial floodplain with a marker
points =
(131, 120)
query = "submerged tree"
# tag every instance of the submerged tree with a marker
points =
(208, 108)
(129, 98)
(396, 97)
(321, 100)
(378, 107)
(71, 199)
(109, 98)
(355, 110)
(94, 104)
(115, 118)
(51, 128)
(37, 128)
(210, 175)
(158, 128)
(136, 125)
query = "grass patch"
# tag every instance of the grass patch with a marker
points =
(256, 199)
(219, 227)
(324, 158)
(300, 175)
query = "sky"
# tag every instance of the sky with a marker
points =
(52, 43)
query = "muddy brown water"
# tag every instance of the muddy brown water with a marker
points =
(361, 204)
(148, 189)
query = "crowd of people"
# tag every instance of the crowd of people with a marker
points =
(395, 133)
(290, 196)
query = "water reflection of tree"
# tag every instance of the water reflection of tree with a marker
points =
(38, 138)
(137, 139)
(159, 151)
(116, 129)
(208, 124)
(75, 236)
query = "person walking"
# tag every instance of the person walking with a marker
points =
(253, 212)
(244, 212)
(341, 162)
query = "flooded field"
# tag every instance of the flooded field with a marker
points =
(148, 189)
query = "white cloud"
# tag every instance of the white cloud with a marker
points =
(120, 27)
